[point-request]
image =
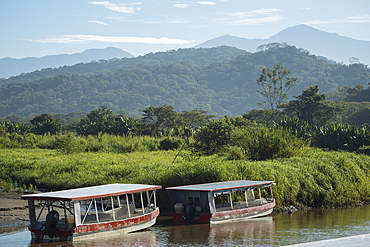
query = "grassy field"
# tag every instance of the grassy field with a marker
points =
(314, 179)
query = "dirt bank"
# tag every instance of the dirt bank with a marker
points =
(13, 211)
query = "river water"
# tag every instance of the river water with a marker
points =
(274, 230)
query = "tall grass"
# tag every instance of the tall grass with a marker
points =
(315, 179)
(70, 143)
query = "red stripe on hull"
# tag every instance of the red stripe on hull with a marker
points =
(244, 210)
(206, 218)
(116, 224)
(111, 225)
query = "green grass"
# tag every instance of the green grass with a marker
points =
(315, 179)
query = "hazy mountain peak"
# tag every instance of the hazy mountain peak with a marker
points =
(318, 42)
(12, 66)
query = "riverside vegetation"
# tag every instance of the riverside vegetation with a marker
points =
(223, 149)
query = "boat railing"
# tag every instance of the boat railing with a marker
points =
(242, 204)
(118, 208)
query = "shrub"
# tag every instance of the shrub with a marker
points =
(261, 143)
(67, 144)
(217, 133)
(170, 143)
(364, 150)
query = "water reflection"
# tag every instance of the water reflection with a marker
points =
(274, 230)
(140, 238)
(324, 224)
(258, 231)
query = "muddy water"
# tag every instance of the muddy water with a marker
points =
(274, 230)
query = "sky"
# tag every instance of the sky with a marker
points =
(36, 28)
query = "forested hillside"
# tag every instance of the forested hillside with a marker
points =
(191, 56)
(221, 88)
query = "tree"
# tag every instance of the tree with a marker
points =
(97, 121)
(157, 118)
(312, 107)
(194, 118)
(275, 84)
(212, 137)
(261, 116)
(124, 125)
(45, 123)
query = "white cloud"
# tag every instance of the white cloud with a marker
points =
(118, 7)
(98, 22)
(348, 19)
(256, 21)
(254, 13)
(206, 3)
(181, 5)
(253, 17)
(68, 39)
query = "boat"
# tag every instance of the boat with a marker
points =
(221, 201)
(92, 211)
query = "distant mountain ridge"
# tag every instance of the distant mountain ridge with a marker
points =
(185, 79)
(13, 66)
(192, 56)
(320, 43)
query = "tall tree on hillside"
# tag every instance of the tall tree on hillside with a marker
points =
(312, 107)
(275, 84)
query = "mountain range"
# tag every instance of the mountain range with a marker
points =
(219, 80)
(13, 66)
(320, 43)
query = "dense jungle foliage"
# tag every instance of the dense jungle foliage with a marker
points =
(313, 179)
(315, 149)
(196, 57)
(221, 88)
(222, 149)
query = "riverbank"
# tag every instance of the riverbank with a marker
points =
(316, 179)
(13, 211)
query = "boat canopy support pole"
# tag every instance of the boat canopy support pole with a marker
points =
(42, 209)
(65, 212)
(259, 190)
(77, 210)
(87, 210)
(113, 214)
(246, 198)
(128, 207)
(272, 195)
(149, 199)
(231, 202)
(133, 201)
(142, 202)
(155, 199)
(31, 211)
(96, 211)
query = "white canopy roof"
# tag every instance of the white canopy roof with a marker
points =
(91, 192)
(229, 185)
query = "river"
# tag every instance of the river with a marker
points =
(274, 230)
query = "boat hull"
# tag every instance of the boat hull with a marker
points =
(244, 213)
(100, 229)
(230, 215)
